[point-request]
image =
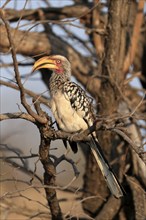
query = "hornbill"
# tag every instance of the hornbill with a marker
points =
(73, 111)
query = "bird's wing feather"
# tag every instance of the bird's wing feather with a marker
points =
(79, 101)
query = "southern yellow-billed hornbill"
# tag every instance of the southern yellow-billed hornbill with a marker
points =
(73, 111)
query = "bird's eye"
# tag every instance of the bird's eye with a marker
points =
(58, 61)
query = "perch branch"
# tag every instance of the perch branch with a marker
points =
(102, 125)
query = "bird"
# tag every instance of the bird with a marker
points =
(73, 111)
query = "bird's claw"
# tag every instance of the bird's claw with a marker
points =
(71, 137)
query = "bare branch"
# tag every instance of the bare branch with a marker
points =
(135, 37)
(97, 126)
(29, 44)
(127, 139)
(23, 169)
(17, 75)
(28, 92)
(38, 43)
(75, 11)
(17, 115)
(58, 160)
(120, 122)
(4, 5)
(96, 37)
(19, 157)
(107, 212)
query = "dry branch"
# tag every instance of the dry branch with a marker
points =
(139, 197)
(17, 115)
(49, 174)
(50, 13)
(26, 43)
(44, 128)
(58, 160)
(110, 209)
(28, 92)
(135, 37)
(17, 75)
(83, 136)
(23, 169)
(98, 41)
(32, 44)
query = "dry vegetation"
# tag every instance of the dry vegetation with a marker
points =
(106, 56)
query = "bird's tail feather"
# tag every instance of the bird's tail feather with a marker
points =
(112, 182)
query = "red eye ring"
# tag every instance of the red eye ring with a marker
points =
(58, 61)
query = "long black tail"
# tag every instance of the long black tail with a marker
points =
(112, 182)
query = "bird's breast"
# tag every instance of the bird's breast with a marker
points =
(66, 116)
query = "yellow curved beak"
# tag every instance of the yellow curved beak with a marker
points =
(44, 62)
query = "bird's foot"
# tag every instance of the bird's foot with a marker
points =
(73, 135)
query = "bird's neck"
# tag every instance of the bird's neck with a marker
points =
(57, 82)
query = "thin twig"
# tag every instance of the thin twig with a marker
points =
(139, 104)
(19, 157)
(23, 169)
(4, 5)
(28, 92)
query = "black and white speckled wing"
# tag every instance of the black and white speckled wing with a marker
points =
(79, 101)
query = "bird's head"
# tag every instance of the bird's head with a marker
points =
(57, 63)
